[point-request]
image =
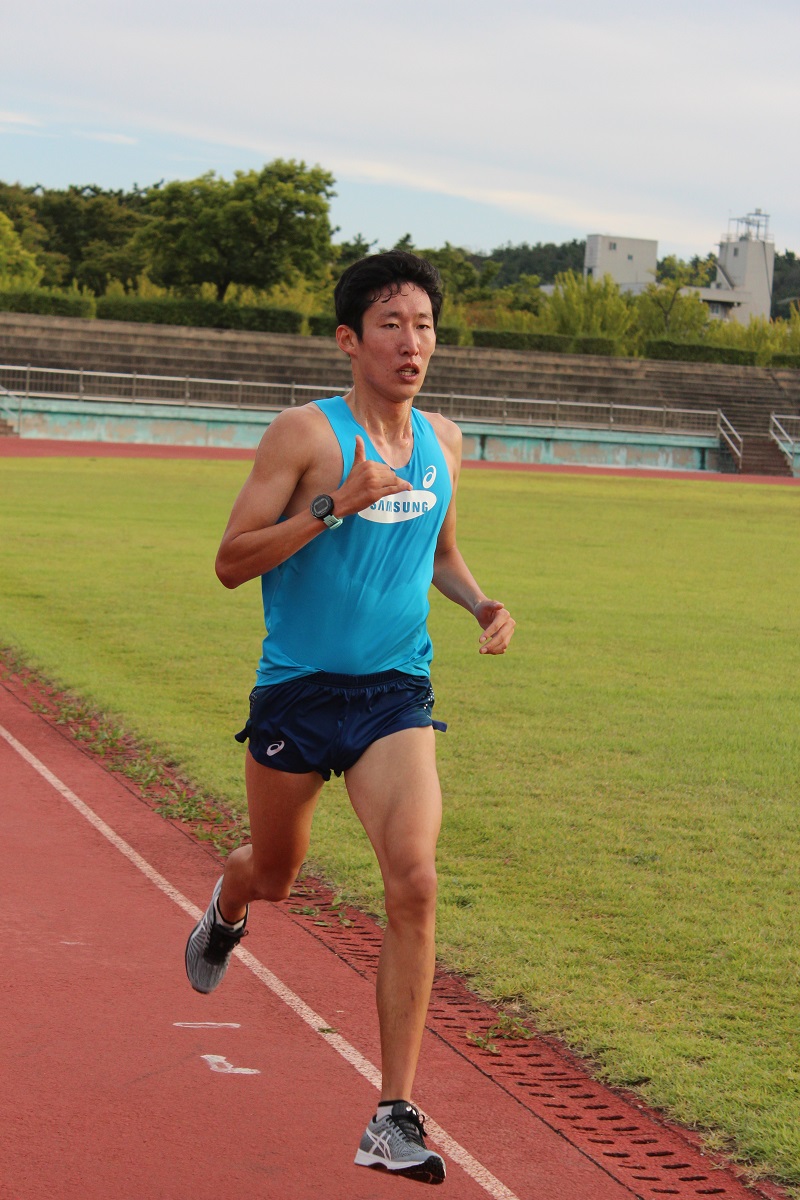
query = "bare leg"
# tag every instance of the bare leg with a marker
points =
(394, 789)
(281, 808)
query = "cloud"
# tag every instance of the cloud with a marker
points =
(20, 124)
(117, 139)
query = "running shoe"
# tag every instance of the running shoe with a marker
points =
(396, 1143)
(210, 946)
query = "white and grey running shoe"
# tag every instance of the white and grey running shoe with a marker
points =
(209, 948)
(396, 1143)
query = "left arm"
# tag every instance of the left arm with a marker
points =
(451, 575)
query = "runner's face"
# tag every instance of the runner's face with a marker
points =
(397, 341)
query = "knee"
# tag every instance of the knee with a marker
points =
(411, 894)
(271, 884)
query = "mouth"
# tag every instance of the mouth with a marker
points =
(409, 372)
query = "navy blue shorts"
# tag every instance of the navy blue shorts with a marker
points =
(324, 722)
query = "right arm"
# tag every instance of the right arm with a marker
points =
(295, 460)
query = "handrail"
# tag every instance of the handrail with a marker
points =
(729, 435)
(55, 383)
(786, 443)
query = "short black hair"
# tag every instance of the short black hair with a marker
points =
(363, 282)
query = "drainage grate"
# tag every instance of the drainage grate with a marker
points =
(631, 1144)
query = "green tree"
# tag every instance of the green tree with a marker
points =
(463, 282)
(21, 205)
(587, 307)
(18, 266)
(259, 229)
(349, 252)
(785, 284)
(525, 295)
(93, 232)
(668, 307)
(544, 259)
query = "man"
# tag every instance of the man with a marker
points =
(347, 517)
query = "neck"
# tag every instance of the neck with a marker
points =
(388, 424)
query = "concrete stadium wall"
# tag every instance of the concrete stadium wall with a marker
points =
(193, 425)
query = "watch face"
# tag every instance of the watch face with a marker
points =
(321, 507)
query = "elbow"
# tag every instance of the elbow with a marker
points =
(225, 575)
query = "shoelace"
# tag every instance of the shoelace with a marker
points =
(221, 942)
(412, 1127)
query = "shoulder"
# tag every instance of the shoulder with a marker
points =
(298, 431)
(447, 432)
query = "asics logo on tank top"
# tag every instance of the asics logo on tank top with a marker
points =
(404, 506)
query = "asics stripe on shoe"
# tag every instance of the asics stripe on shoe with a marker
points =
(209, 948)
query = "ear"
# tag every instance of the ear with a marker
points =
(346, 339)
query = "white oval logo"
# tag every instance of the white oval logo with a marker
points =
(275, 748)
(402, 506)
(429, 477)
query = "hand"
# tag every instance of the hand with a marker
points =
(367, 482)
(498, 626)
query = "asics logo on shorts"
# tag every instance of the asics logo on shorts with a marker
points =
(275, 748)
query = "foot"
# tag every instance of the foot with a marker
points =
(396, 1143)
(210, 946)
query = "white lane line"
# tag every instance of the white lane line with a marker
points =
(452, 1148)
(206, 1025)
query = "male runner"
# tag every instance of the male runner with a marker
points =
(347, 516)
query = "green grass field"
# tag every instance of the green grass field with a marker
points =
(620, 858)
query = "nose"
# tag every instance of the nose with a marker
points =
(411, 340)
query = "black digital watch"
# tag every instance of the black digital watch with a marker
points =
(322, 509)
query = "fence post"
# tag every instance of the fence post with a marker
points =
(292, 400)
(80, 383)
(238, 393)
(27, 382)
(186, 390)
(133, 387)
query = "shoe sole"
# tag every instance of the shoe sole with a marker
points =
(432, 1170)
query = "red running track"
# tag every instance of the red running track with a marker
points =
(119, 1080)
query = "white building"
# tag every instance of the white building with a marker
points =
(743, 285)
(631, 262)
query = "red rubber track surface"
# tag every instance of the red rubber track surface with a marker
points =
(120, 1080)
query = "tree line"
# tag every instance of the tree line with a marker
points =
(265, 237)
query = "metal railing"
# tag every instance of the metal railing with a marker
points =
(595, 414)
(732, 439)
(56, 383)
(788, 442)
(9, 407)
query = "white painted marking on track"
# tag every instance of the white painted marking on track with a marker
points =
(206, 1025)
(455, 1151)
(218, 1063)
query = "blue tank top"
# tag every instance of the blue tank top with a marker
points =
(354, 601)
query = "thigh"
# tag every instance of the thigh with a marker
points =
(394, 789)
(281, 807)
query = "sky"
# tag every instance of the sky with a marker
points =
(481, 124)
